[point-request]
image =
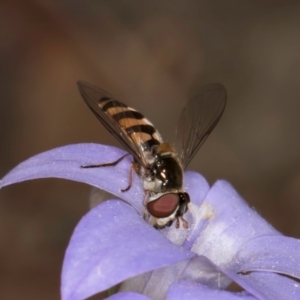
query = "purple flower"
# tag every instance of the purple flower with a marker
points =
(226, 240)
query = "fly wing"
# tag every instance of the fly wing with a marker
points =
(128, 126)
(198, 118)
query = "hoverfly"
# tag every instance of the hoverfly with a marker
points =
(156, 162)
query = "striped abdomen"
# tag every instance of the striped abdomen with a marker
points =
(140, 130)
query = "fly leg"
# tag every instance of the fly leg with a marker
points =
(110, 164)
(133, 166)
(184, 222)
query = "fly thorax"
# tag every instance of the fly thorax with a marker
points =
(166, 173)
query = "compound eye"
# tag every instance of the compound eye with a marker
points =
(164, 206)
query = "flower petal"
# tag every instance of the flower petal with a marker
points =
(127, 296)
(201, 270)
(235, 238)
(64, 162)
(110, 244)
(230, 223)
(155, 284)
(197, 187)
(271, 253)
(268, 286)
(192, 291)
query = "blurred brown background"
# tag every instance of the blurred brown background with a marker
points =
(150, 55)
